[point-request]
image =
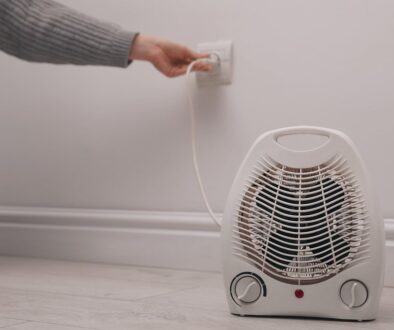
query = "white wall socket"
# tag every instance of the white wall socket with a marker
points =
(222, 76)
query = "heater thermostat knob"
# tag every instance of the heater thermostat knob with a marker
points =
(354, 293)
(247, 289)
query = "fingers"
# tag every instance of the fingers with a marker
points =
(198, 67)
(173, 60)
(195, 56)
(164, 65)
(179, 70)
(203, 67)
(170, 69)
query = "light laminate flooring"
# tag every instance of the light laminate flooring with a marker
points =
(40, 294)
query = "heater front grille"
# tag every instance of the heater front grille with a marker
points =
(301, 225)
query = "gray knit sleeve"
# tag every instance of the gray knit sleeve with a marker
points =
(46, 31)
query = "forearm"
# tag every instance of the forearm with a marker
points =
(46, 31)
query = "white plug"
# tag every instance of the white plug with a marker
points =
(215, 61)
(221, 58)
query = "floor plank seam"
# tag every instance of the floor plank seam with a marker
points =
(13, 325)
(91, 297)
(165, 294)
(27, 321)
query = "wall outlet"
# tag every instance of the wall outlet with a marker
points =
(224, 74)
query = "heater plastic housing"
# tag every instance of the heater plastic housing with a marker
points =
(302, 234)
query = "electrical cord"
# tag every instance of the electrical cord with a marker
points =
(214, 60)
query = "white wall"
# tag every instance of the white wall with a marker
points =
(119, 139)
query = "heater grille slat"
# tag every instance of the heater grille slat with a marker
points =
(307, 220)
(301, 225)
(361, 232)
(245, 243)
(269, 183)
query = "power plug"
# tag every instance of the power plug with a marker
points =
(221, 58)
(215, 61)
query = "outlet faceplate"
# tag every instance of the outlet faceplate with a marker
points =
(222, 76)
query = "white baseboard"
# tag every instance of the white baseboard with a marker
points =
(158, 239)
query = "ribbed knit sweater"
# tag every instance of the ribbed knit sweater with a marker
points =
(46, 31)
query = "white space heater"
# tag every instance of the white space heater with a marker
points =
(302, 234)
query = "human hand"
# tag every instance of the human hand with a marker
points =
(169, 58)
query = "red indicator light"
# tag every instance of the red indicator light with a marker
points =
(299, 293)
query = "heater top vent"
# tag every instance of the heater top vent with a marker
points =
(301, 225)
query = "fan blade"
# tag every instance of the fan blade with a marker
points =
(282, 245)
(281, 254)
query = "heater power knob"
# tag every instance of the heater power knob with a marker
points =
(247, 289)
(354, 293)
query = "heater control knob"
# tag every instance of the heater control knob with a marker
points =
(247, 289)
(354, 293)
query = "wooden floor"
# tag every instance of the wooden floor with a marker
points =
(54, 295)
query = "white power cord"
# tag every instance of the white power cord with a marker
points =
(214, 60)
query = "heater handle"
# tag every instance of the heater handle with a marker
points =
(330, 134)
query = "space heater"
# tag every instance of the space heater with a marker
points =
(301, 233)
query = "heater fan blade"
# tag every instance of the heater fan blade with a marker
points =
(331, 197)
(324, 198)
(282, 244)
